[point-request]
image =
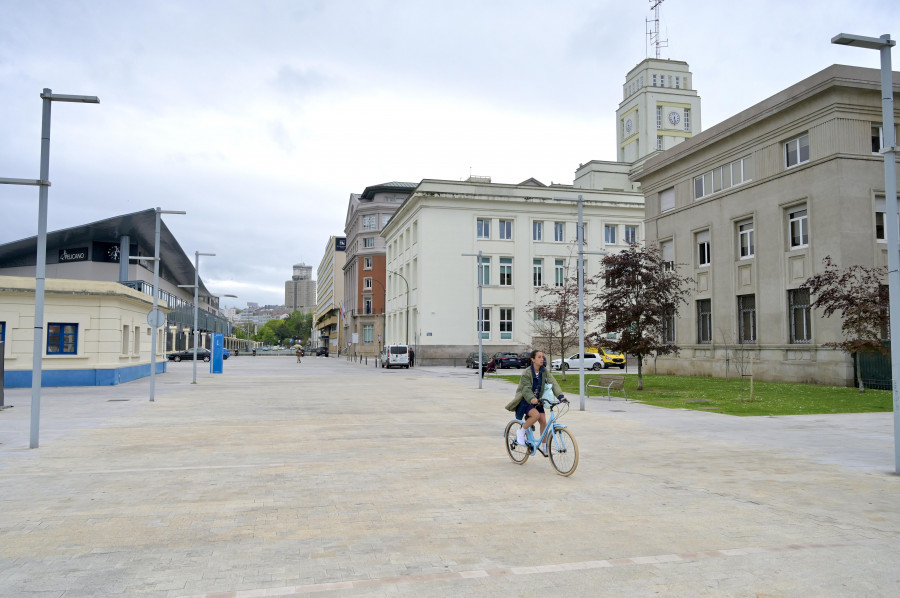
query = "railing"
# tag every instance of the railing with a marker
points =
(182, 313)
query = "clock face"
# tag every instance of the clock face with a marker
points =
(674, 117)
(628, 125)
(113, 253)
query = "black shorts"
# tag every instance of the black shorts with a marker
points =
(524, 407)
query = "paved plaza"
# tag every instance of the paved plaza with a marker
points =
(340, 479)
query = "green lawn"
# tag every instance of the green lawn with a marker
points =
(724, 396)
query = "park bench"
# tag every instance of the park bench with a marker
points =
(607, 383)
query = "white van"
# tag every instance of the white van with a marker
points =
(395, 356)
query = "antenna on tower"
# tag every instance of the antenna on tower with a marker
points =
(653, 28)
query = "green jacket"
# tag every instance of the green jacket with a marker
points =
(524, 389)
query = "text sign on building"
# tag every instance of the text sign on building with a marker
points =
(78, 254)
(340, 244)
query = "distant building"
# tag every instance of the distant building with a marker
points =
(364, 273)
(300, 290)
(329, 294)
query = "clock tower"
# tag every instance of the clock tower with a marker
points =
(660, 108)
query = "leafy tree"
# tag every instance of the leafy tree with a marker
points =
(862, 301)
(299, 325)
(556, 312)
(640, 299)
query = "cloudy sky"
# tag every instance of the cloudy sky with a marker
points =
(260, 117)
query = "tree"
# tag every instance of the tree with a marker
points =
(862, 301)
(640, 300)
(557, 312)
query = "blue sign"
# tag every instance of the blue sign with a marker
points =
(218, 353)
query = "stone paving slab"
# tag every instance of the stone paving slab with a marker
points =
(335, 479)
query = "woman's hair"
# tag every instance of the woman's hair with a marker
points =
(535, 352)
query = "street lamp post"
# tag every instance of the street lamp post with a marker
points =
(196, 287)
(478, 320)
(40, 268)
(383, 315)
(581, 253)
(884, 44)
(407, 302)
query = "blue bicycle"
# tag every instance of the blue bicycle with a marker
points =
(561, 446)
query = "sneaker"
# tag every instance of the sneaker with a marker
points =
(543, 449)
(520, 436)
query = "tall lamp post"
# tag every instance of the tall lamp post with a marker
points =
(478, 270)
(155, 318)
(40, 268)
(581, 253)
(196, 287)
(884, 44)
(407, 303)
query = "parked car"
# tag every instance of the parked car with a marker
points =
(506, 360)
(592, 361)
(611, 358)
(472, 359)
(322, 351)
(395, 356)
(525, 359)
(202, 353)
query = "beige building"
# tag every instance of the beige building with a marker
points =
(750, 207)
(364, 271)
(95, 333)
(329, 295)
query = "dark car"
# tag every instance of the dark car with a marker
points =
(322, 351)
(202, 353)
(506, 360)
(472, 359)
(525, 359)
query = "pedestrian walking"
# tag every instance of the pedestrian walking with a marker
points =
(299, 354)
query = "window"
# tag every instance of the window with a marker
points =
(367, 283)
(559, 230)
(609, 234)
(559, 273)
(659, 142)
(667, 249)
(370, 222)
(126, 339)
(723, 177)
(667, 199)
(484, 322)
(506, 230)
(505, 271)
(538, 272)
(654, 80)
(485, 271)
(703, 254)
(658, 114)
(2, 332)
(704, 321)
(796, 151)
(798, 310)
(880, 211)
(367, 263)
(506, 323)
(669, 327)
(484, 228)
(537, 231)
(62, 339)
(368, 333)
(384, 219)
(798, 228)
(745, 239)
(677, 82)
(367, 305)
(368, 242)
(746, 319)
(630, 234)
(687, 119)
(877, 139)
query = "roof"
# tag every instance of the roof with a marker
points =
(392, 187)
(140, 226)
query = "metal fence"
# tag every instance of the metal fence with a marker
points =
(182, 314)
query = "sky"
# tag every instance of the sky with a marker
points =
(259, 118)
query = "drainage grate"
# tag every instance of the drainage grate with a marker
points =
(116, 400)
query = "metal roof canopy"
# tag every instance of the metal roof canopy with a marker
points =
(139, 226)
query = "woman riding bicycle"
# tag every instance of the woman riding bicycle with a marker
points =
(527, 401)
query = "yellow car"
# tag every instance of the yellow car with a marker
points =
(609, 358)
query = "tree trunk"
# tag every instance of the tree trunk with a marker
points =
(859, 381)
(640, 385)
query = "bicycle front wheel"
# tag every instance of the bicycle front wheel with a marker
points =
(517, 452)
(563, 452)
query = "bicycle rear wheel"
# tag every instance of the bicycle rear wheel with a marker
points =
(517, 452)
(563, 452)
